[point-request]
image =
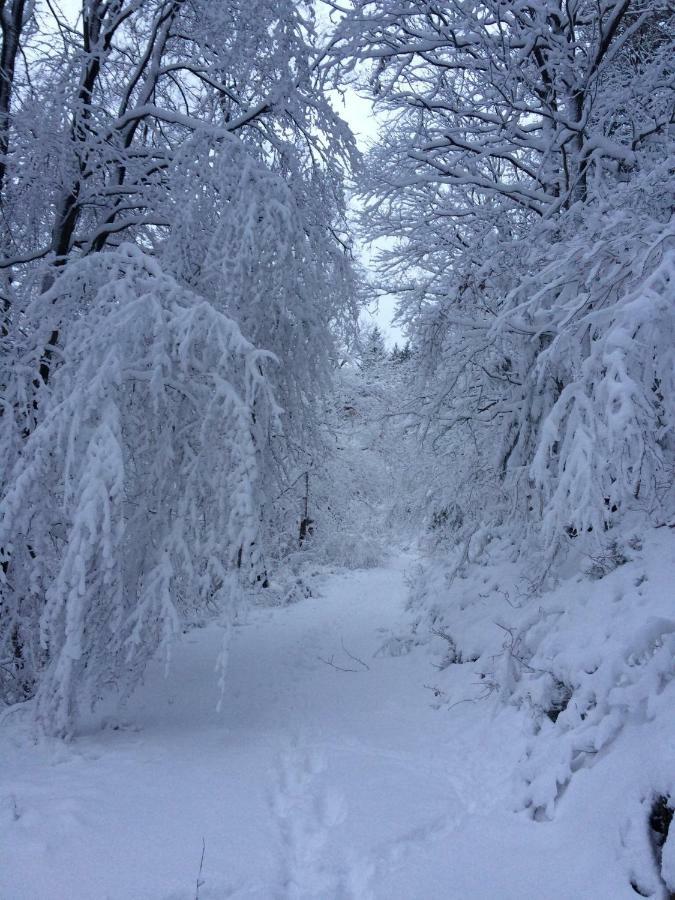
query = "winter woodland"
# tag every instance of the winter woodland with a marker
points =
(208, 453)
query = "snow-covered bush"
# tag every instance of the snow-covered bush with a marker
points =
(592, 699)
(583, 675)
(134, 502)
(600, 437)
(346, 484)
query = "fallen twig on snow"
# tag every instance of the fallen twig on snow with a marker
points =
(334, 665)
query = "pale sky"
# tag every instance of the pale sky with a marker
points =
(358, 113)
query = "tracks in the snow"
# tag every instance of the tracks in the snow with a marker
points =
(307, 809)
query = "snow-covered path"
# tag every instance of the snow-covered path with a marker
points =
(312, 782)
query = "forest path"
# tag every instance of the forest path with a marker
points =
(312, 782)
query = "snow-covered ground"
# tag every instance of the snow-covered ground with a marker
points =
(312, 782)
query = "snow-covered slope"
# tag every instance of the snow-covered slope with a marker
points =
(589, 666)
(336, 769)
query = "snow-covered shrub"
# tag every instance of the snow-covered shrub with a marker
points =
(582, 673)
(625, 683)
(354, 478)
(602, 439)
(134, 501)
(349, 548)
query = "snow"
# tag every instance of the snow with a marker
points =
(313, 782)
(204, 461)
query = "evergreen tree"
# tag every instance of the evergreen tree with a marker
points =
(374, 350)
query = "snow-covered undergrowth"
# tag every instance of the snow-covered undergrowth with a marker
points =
(590, 666)
(350, 487)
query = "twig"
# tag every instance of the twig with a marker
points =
(334, 665)
(437, 692)
(487, 690)
(463, 559)
(329, 662)
(446, 637)
(9, 672)
(200, 880)
(355, 658)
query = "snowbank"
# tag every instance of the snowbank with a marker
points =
(589, 665)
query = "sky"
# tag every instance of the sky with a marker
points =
(359, 115)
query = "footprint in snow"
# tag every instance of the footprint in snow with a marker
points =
(306, 811)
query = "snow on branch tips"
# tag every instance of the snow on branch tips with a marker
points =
(134, 501)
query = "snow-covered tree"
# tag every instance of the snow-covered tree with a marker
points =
(523, 184)
(176, 272)
(134, 501)
(372, 346)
